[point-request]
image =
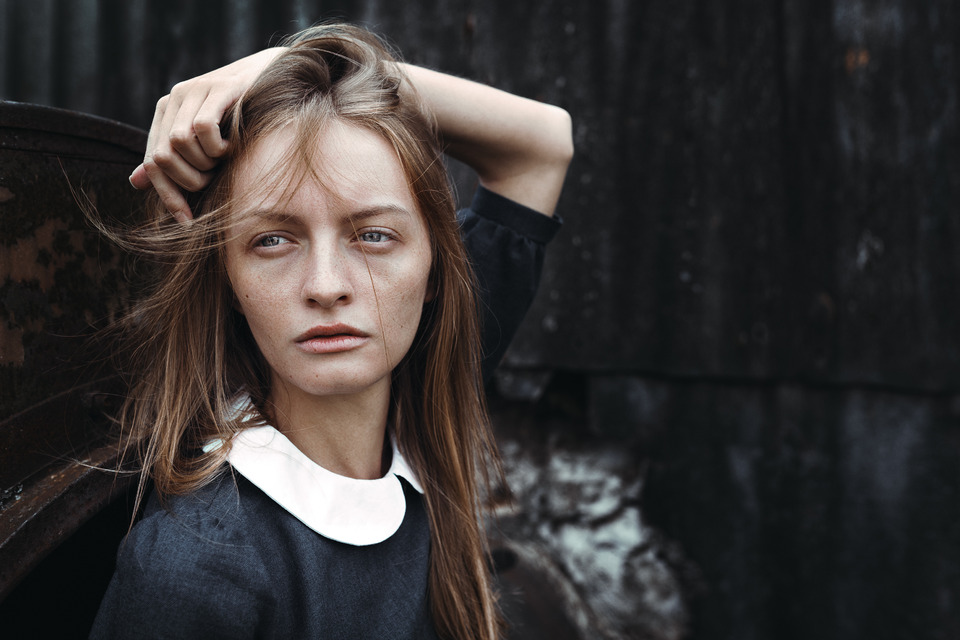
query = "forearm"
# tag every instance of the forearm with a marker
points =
(519, 148)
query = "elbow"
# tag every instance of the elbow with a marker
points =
(562, 124)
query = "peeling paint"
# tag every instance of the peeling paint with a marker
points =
(580, 508)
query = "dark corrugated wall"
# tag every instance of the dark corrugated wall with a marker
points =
(756, 288)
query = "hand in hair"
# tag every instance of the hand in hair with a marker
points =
(184, 142)
(519, 148)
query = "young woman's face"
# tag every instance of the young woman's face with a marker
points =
(331, 276)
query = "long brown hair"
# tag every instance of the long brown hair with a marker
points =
(192, 352)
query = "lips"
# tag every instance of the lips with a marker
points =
(329, 331)
(331, 338)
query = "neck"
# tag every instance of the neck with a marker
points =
(345, 434)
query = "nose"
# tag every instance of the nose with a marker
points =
(327, 279)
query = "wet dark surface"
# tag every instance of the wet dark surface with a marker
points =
(61, 595)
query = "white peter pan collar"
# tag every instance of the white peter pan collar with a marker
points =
(348, 510)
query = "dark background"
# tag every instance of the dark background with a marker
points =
(755, 292)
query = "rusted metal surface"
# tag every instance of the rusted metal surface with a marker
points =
(59, 282)
(58, 278)
(54, 431)
(40, 513)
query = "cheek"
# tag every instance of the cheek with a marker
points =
(402, 307)
(255, 304)
(254, 298)
(420, 284)
(248, 281)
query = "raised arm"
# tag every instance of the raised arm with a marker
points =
(519, 148)
(184, 143)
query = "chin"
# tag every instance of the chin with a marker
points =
(335, 385)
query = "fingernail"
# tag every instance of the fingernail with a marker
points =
(130, 180)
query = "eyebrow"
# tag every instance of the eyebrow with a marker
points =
(378, 210)
(354, 216)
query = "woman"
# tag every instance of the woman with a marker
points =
(308, 403)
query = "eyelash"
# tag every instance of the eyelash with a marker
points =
(264, 242)
(384, 236)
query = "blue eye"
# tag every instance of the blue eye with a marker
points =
(271, 241)
(373, 236)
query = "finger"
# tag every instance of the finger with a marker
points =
(183, 136)
(170, 195)
(179, 170)
(155, 126)
(165, 157)
(188, 147)
(139, 178)
(161, 152)
(206, 124)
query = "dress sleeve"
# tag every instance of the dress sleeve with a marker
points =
(177, 578)
(505, 241)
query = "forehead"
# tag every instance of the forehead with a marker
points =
(345, 165)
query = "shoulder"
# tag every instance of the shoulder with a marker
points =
(212, 521)
(189, 569)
